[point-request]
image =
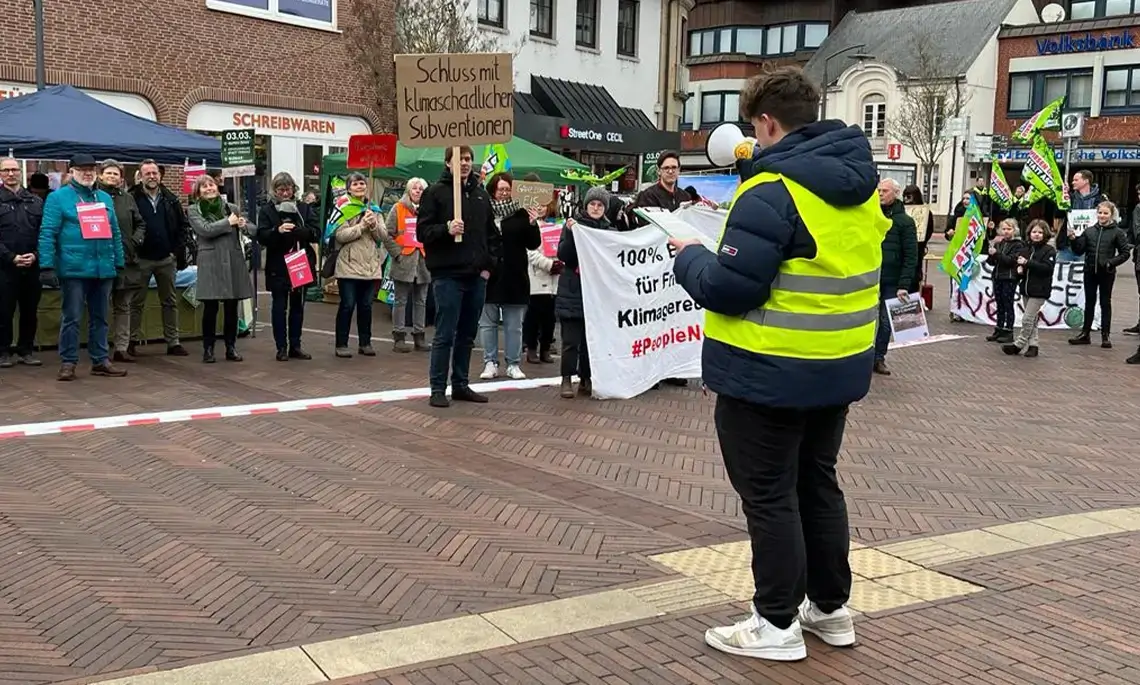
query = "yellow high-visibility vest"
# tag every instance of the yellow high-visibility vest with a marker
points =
(822, 308)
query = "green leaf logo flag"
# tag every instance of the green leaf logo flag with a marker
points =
(1048, 117)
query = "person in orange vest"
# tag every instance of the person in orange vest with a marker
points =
(409, 270)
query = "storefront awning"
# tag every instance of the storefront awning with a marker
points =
(576, 116)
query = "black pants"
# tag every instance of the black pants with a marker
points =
(288, 315)
(210, 322)
(575, 354)
(1098, 283)
(1004, 294)
(538, 324)
(356, 295)
(19, 288)
(782, 464)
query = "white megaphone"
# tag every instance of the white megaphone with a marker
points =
(727, 144)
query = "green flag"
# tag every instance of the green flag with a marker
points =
(1048, 117)
(999, 189)
(1041, 172)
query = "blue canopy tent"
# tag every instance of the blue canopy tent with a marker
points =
(61, 121)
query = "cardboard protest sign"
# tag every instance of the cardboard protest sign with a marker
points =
(530, 194)
(451, 100)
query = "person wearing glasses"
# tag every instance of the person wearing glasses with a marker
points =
(20, 215)
(665, 194)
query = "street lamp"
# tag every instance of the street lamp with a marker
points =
(827, 81)
(41, 77)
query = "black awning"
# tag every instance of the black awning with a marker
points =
(525, 103)
(582, 102)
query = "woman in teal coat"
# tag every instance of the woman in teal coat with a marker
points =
(81, 259)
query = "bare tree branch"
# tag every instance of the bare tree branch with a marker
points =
(928, 99)
(422, 27)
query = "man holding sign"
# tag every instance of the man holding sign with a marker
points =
(81, 252)
(792, 300)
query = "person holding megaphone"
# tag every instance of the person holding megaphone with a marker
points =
(792, 303)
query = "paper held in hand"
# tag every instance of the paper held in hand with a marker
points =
(452, 100)
(908, 319)
(1081, 219)
(677, 227)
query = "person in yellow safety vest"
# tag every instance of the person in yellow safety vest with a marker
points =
(792, 301)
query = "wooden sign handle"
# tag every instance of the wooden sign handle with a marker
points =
(456, 189)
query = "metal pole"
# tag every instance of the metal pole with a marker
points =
(823, 103)
(1068, 159)
(41, 71)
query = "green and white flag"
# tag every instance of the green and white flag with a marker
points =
(1041, 172)
(1049, 117)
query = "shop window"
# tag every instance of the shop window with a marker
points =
(717, 108)
(1096, 9)
(1030, 92)
(300, 12)
(875, 116)
(1122, 88)
(757, 40)
(586, 24)
(491, 13)
(627, 27)
(930, 184)
(542, 18)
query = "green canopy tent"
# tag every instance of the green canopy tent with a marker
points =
(427, 163)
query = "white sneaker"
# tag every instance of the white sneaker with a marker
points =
(490, 370)
(836, 629)
(515, 373)
(757, 638)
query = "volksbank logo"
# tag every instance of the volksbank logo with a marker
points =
(1086, 43)
(590, 134)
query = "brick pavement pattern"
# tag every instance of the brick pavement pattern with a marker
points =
(1054, 615)
(149, 546)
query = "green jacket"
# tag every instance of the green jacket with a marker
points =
(900, 252)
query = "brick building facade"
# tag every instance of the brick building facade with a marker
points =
(208, 65)
(1096, 64)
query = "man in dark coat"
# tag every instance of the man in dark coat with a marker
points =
(20, 215)
(900, 262)
(126, 303)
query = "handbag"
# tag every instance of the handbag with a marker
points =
(332, 251)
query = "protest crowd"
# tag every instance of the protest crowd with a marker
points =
(789, 293)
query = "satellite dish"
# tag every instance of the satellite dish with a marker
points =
(1052, 13)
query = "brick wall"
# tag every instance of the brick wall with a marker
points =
(176, 53)
(1106, 129)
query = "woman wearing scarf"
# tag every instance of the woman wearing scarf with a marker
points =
(223, 278)
(284, 226)
(409, 270)
(357, 228)
(568, 303)
(508, 290)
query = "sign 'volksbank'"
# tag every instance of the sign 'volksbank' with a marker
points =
(1124, 40)
(1119, 155)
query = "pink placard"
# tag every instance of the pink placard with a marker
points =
(297, 264)
(94, 224)
(410, 231)
(551, 233)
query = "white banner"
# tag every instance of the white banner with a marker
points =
(1063, 310)
(641, 326)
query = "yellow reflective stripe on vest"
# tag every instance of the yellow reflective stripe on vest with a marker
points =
(826, 307)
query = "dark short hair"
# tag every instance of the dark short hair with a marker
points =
(914, 193)
(785, 94)
(1043, 225)
(39, 181)
(462, 149)
(1085, 174)
(148, 160)
(110, 164)
(493, 183)
(665, 155)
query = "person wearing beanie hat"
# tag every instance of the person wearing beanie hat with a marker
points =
(568, 303)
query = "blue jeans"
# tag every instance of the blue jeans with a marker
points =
(883, 332)
(512, 316)
(355, 296)
(1066, 255)
(288, 313)
(94, 295)
(458, 305)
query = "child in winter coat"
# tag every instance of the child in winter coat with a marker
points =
(1004, 251)
(1035, 267)
(1104, 247)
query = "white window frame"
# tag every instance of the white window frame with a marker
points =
(875, 103)
(272, 14)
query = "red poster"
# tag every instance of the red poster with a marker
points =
(372, 151)
(190, 175)
(297, 264)
(94, 224)
(410, 231)
(551, 233)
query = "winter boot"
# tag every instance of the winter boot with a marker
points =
(400, 343)
(992, 337)
(567, 388)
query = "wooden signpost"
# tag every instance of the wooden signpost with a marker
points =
(452, 100)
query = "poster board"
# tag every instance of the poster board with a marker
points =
(1081, 219)
(908, 319)
(531, 194)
